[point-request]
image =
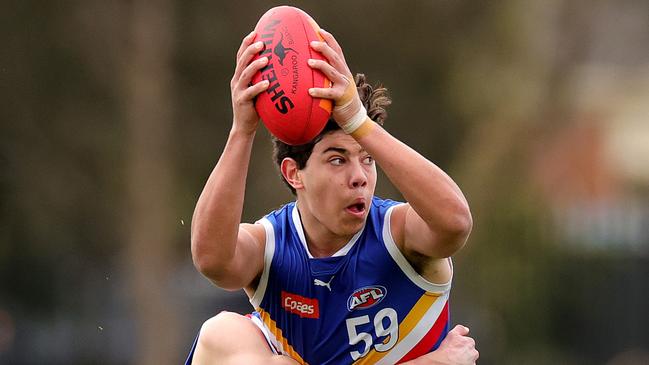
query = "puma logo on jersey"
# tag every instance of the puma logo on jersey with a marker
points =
(318, 282)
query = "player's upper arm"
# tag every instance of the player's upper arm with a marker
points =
(425, 248)
(247, 263)
(413, 234)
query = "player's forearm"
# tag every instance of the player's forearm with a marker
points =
(215, 224)
(429, 190)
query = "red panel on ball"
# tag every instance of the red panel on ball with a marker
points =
(286, 108)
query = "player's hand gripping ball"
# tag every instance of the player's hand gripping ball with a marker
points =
(285, 107)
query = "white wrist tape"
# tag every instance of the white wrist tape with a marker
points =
(355, 121)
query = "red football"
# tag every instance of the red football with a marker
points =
(286, 108)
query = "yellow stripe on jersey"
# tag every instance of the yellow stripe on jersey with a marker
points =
(277, 332)
(407, 324)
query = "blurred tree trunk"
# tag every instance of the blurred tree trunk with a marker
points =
(149, 111)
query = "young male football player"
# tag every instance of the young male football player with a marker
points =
(339, 276)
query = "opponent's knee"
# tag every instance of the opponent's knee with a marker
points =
(216, 332)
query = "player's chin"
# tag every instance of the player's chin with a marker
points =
(353, 223)
(349, 229)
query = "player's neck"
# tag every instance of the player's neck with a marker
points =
(325, 247)
(321, 241)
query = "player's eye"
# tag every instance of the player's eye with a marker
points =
(337, 161)
(368, 160)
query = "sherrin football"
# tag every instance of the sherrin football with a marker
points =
(285, 107)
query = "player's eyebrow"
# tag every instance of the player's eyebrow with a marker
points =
(341, 150)
(335, 149)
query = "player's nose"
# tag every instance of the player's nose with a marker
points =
(358, 176)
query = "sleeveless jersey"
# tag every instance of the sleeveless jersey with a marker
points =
(363, 305)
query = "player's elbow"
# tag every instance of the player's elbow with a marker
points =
(207, 261)
(204, 262)
(216, 271)
(215, 266)
(460, 223)
(456, 230)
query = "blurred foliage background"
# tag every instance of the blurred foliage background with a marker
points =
(113, 113)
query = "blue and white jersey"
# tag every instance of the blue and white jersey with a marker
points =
(363, 305)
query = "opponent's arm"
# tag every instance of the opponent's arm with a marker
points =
(437, 220)
(225, 251)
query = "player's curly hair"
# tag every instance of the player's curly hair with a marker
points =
(375, 99)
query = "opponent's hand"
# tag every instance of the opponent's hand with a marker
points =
(347, 104)
(457, 348)
(243, 93)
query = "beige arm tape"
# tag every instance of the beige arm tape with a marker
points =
(364, 128)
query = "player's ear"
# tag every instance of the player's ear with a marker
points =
(291, 173)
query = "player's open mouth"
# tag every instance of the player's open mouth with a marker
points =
(357, 209)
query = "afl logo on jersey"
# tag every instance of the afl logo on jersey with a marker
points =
(366, 297)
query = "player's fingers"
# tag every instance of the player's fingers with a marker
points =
(336, 60)
(250, 70)
(254, 90)
(330, 72)
(325, 93)
(247, 40)
(470, 341)
(332, 42)
(244, 60)
(460, 330)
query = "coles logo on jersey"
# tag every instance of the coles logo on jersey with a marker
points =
(303, 307)
(366, 297)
